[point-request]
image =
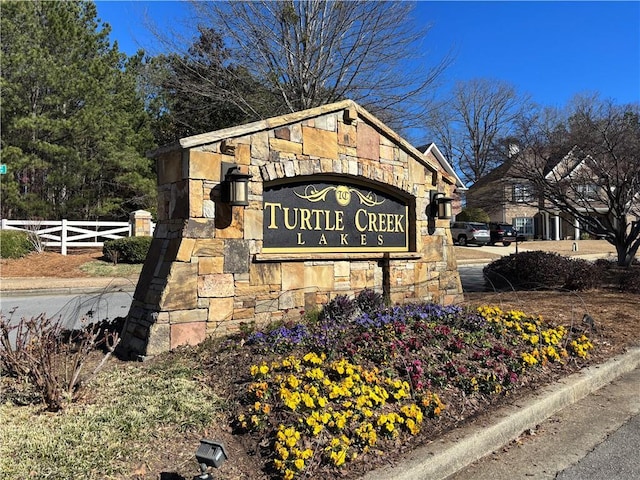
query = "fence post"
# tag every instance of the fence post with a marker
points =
(140, 222)
(4, 223)
(63, 237)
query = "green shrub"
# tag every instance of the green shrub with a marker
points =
(584, 275)
(630, 278)
(127, 250)
(625, 279)
(14, 244)
(528, 271)
(543, 270)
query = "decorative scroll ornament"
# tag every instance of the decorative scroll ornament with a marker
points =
(343, 195)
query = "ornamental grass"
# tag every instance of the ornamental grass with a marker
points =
(337, 389)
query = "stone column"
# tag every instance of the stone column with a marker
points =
(140, 221)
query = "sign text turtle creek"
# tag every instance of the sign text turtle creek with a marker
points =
(327, 217)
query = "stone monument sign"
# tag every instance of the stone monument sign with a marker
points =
(261, 221)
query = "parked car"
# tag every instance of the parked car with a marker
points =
(470, 233)
(505, 233)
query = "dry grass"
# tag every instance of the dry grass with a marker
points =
(563, 247)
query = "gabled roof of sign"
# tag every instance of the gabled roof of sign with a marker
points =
(287, 119)
(432, 148)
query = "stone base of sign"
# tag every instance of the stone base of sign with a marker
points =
(206, 272)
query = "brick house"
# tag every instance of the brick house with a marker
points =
(509, 198)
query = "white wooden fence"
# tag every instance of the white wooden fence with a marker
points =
(66, 233)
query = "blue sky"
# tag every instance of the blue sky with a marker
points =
(550, 50)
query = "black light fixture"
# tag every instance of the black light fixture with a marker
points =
(441, 206)
(236, 185)
(209, 454)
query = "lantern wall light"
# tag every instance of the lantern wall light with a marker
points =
(441, 206)
(235, 185)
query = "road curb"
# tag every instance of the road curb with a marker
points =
(461, 447)
(33, 292)
(19, 287)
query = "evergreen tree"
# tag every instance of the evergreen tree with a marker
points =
(74, 129)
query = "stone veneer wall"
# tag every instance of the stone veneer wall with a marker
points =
(205, 273)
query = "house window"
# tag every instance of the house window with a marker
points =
(587, 191)
(524, 225)
(522, 193)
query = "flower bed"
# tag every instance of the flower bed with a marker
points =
(357, 380)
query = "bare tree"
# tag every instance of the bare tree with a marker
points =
(314, 52)
(597, 181)
(472, 121)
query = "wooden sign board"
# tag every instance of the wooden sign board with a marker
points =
(333, 217)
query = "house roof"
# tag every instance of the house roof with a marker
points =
(566, 164)
(295, 117)
(509, 169)
(499, 173)
(432, 148)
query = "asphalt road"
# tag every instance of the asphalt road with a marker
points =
(471, 278)
(73, 310)
(616, 458)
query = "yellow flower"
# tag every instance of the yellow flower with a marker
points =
(307, 400)
(412, 427)
(293, 381)
(529, 358)
(299, 463)
(313, 358)
(315, 374)
(339, 457)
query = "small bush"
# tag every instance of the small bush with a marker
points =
(625, 279)
(528, 270)
(39, 352)
(584, 275)
(543, 270)
(630, 280)
(473, 215)
(127, 250)
(14, 244)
